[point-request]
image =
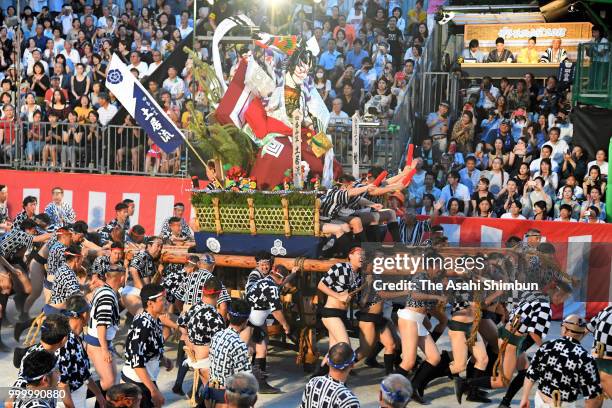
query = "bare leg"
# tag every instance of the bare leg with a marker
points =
(106, 371)
(410, 339)
(337, 331)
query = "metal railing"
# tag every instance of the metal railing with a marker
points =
(378, 144)
(592, 83)
(74, 147)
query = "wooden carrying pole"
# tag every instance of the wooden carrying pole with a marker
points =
(248, 262)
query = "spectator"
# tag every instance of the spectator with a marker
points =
(93, 141)
(454, 208)
(564, 213)
(506, 197)
(554, 54)
(438, 124)
(528, 55)
(106, 111)
(348, 29)
(65, 19)
(463, 132)
(356, 55)
(539, 211)
(518, 97)
(470, 175)
(395, 39)
(53, 140)
(594, 200)
(592, 216)
(175, 85)
(39, 81)
(355, 17)
(551, 180)
(548, 98)
(500, 53)
(497, 176)
(337, 115)
(327, 59)
(80, 84)
(600, 161)
(594, 180)
(73, 141)
(473, 53)
(418, 192)
(574, 164)
(487, 95)
(577, 191)
(400, 21)
(545, 153)
(184, 27)
(7, 133)
(454, 189)
(83, 109)
(559, 147)
(28, 109)
(514, 211)
(157, 61)
(141, 66)
(533, 193)
(58, 106)
(35, 138)
(567, 200)
(416, 16)
(482, 193)
(427, 153)
(322, 84)
(70, 53)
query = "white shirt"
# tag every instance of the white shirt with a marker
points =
(142, 68)
(185, 31)
(534, 166)
(460, 192)
(509, 216)
(603, 167)
(175, 86)
(73, 55)
(559, 149)
(58, 46)
(66, 21)
(106, 114)
(341, 117)
(152, 67)
(570, 220)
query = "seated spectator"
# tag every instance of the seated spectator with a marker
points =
(594, 200)
(83, 109)
(438, 123)
(495, 136)
(367, 74)
(29, 107)
(454, 189)
(327, 59)
(592, 216)
(106, 111)
(482, 193)
(348, 29)
(454, 208)
(136, 62)
(539, 211)
(520, 154)
(500, 53)
(497, 176)
(577, 191)
(59, 106)
(350, 103)
(554, 54)
(545, 153)
(594, 179)
(427, 153)
(528, 55)
(551, 179)
(564, 213)
(175, 85)
(548, 98)
(533, 193)
(487, 95)
(559, 147)
(341, 44)
(567, 200)
(381, 102)
(514, 211)
(473, 53)
(416, 16)
(400, 21)
(561, 121)
(600, 161)
(71, 53)
(518, 97)
(80, 84)
(470, 175)
(506, 197)
(484, 210)
(323, 85)
(337, 115)
(574, 164)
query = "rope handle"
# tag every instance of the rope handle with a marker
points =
(498, 367)
(34, 329)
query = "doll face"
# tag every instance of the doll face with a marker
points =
(300, 72)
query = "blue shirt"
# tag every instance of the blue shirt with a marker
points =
(469, 181)
(355, 59)
(328, 60)
(41, 42)
(31, 32)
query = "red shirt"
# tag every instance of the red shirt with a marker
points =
(8, 131)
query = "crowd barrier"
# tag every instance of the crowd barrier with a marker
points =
(89, 148)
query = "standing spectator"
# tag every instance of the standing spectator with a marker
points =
(35, 138)
(39, 82)
(184, 27)
(559, 147)
(416, 16)
(470, 175)
(500, 53)
(349, 30)
(58, 106)
(65, 19)
(7, 133)
(80, 84)
(548, 98)
(463, 133)
(106, 111)
(438, 124)
(29, 108)
(487, 95)
(395, 38)
(72, 141)
(381, 58)
(355, 17)
(349, 101)
(367, 74)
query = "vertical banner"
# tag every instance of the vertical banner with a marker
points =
(355, 145)
(297, 149)
(142, 106)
